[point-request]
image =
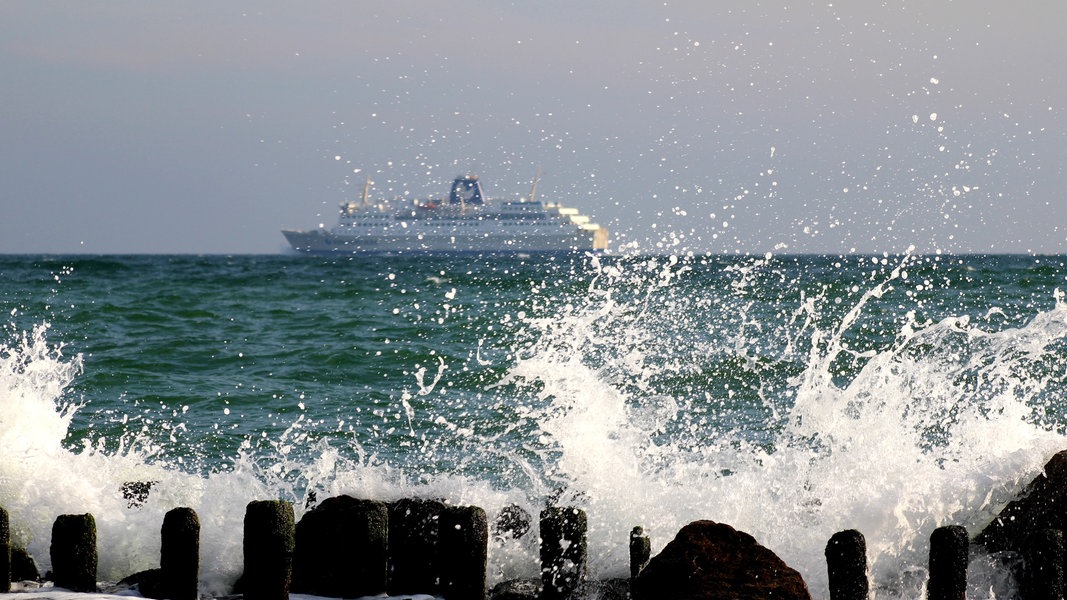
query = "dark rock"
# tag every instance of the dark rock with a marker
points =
(136, 492)
(1042, 505)
(1043, 578)
(564, 551)
(73, 552)
(23, 567)
(268, 549)
(609, 589)
(148, 583)
(464, 547)
(414, 527)
(513, 521)
(341, 549)
(709, 560)
(516, 589)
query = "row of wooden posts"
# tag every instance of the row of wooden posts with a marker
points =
(346, 556)
(354, 552)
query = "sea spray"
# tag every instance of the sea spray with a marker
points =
(938, 426)
(791, 397)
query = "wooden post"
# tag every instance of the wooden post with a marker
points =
(564, 551)
(73, 552)
(5, 552)
(268, 547)
(179, 556)
(414, 525)
(341, 549)
(464, 551)
(949, 553)
(640, 551)
(846, 565)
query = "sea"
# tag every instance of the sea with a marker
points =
(789, 396)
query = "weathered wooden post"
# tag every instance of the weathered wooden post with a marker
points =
(564, 551)
(414, 525)
(5, 552)
(640, 551)
(179, 555)
(73, 552)
(341, 549)
(846, 565)
(1043, 557)
(269, 533)
(464, 551)
(949, 553)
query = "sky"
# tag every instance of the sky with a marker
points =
(683, 126)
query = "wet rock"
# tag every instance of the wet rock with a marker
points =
(517, 589)
(1042, 505)
(709, 560)
(136, 492)
(512, 521)
(23, 567)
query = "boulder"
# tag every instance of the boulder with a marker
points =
(1042, 505)
(709, 560)
(516, 589)
(23, 567)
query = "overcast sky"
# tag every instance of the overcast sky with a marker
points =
(206, 127)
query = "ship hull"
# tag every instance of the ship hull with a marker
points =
(324, 242)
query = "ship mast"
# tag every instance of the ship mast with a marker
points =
(533, 190)
(366, 191)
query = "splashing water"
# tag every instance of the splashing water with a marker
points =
(751, 392)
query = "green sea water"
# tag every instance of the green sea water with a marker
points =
(791, 396)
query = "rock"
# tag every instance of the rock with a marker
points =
(513, 521)
(148, 583)
(516, 589)
(23, 567)
(1042, 505)
(709, 560)
(136, 492)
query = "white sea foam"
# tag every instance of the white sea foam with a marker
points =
(940, 427)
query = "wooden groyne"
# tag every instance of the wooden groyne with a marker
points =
(348, 547)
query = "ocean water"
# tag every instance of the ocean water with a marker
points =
(788, 396)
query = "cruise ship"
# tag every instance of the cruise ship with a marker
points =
(464, 222)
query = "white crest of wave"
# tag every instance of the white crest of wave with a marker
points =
(936, 429)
